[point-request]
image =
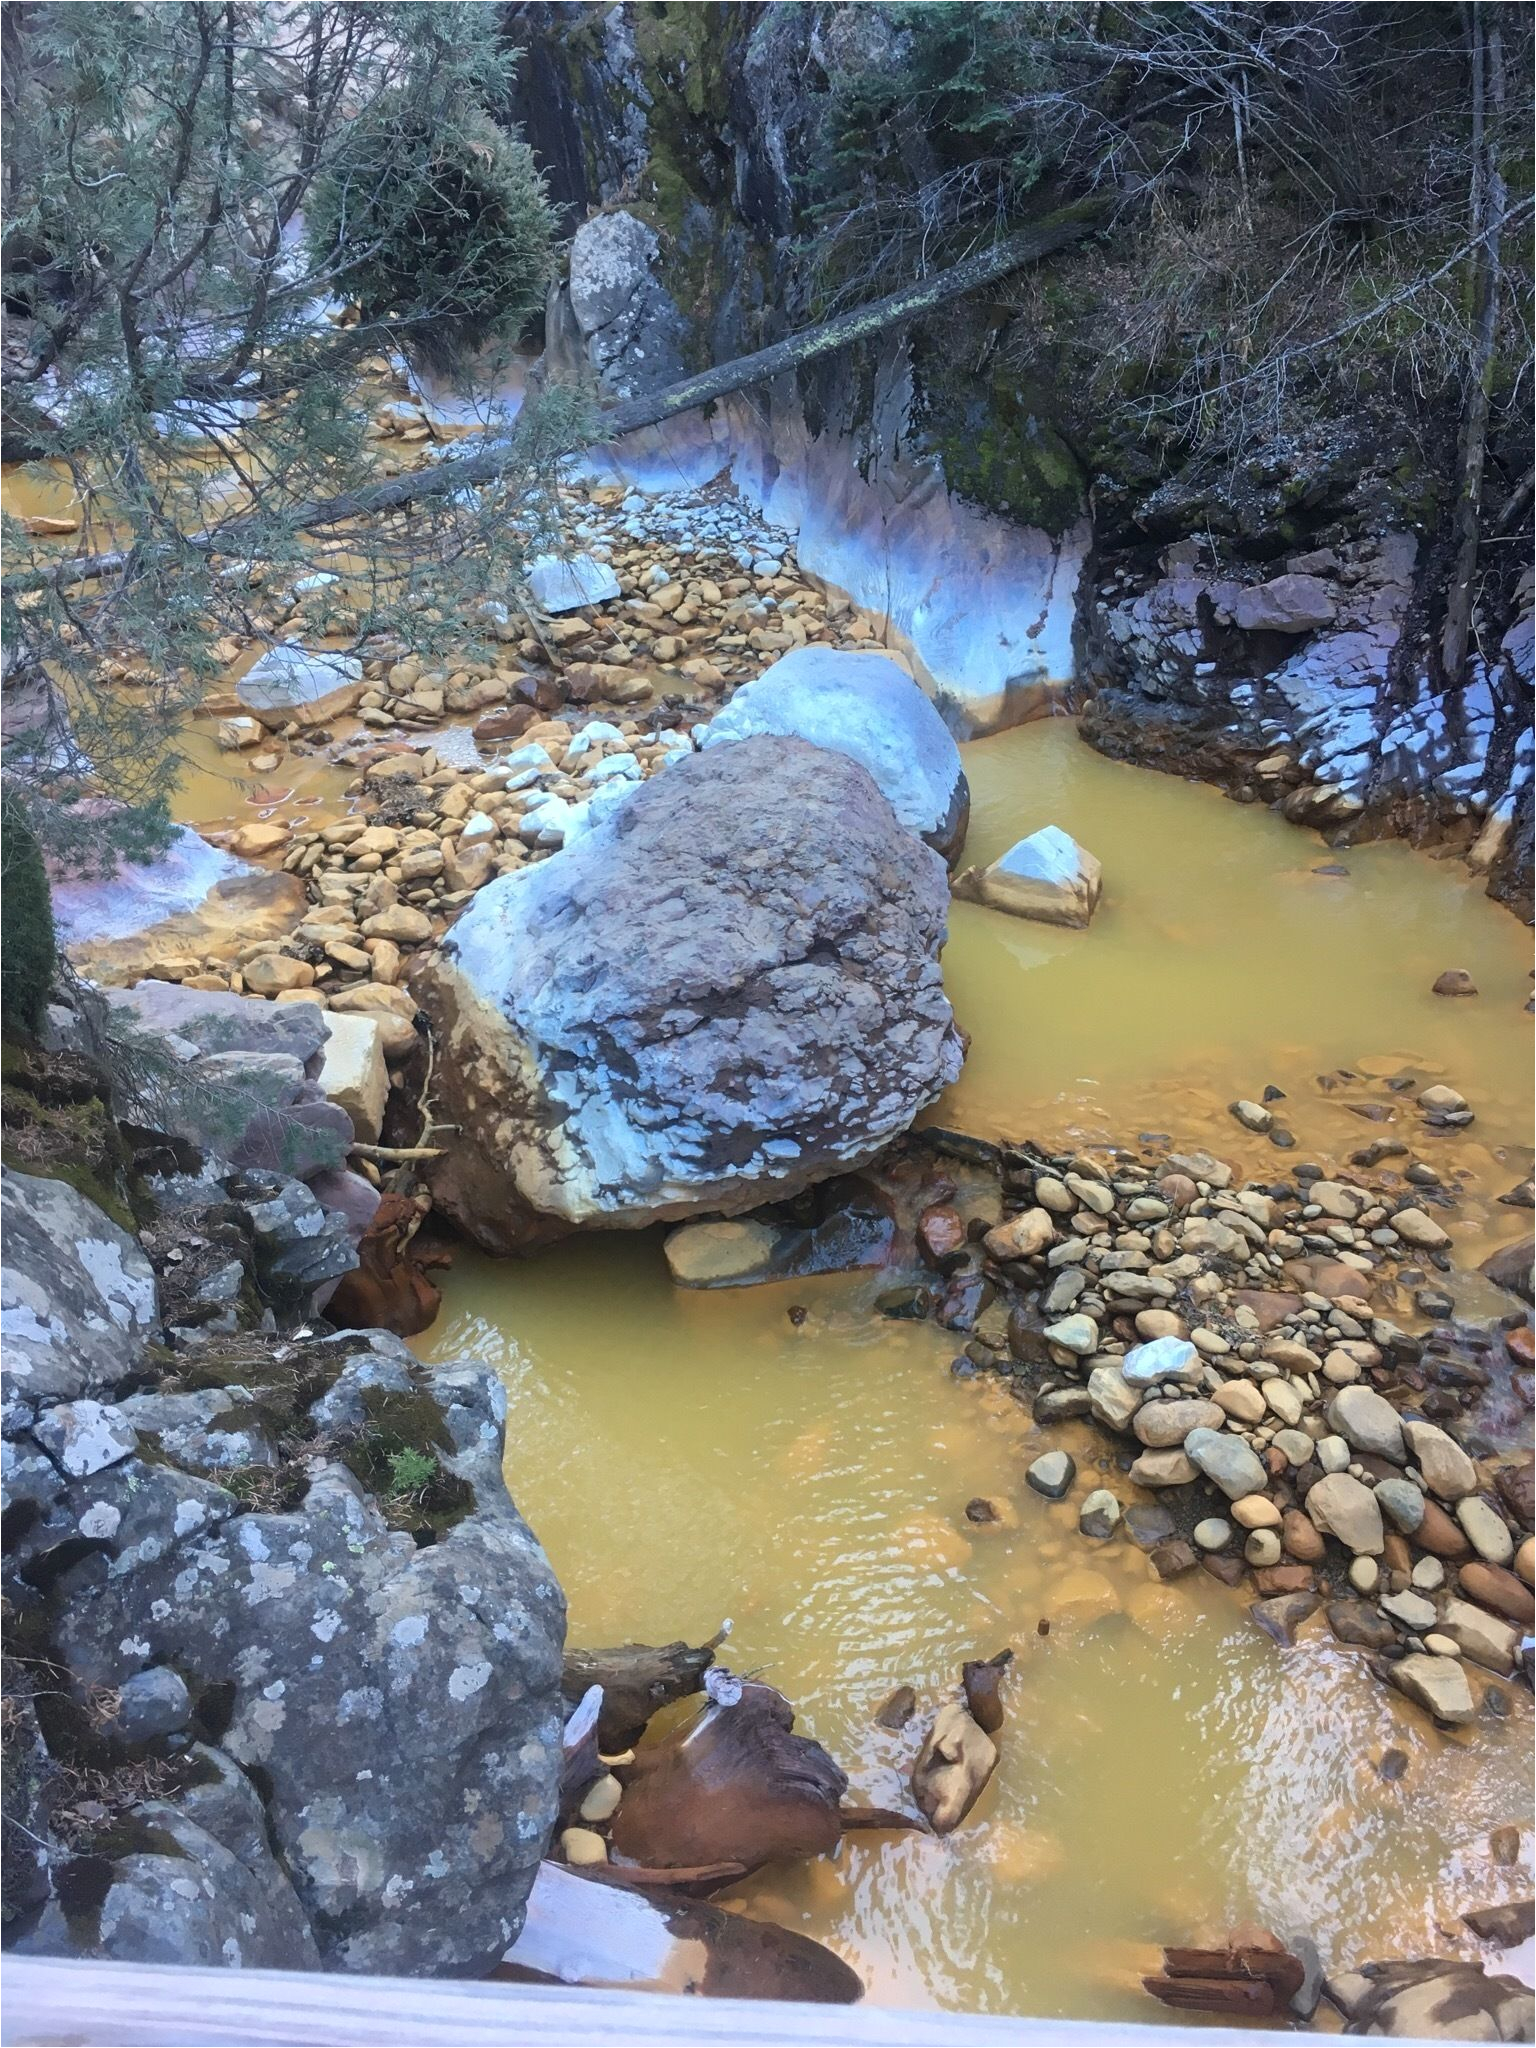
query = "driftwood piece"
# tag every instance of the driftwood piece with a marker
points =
(981, 1682)
(582, 1930)
(581, 1765)
(637, 1681)
(953, 1767)
(854, 1818)
(1252, 1980)
(737, 1785)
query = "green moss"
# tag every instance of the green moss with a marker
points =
(997, 449)
(27, 947)
(56, 1124)
(403, 1434)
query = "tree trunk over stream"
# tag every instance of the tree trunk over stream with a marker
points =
(1059, 230)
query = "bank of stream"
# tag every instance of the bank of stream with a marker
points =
(1166, 1769)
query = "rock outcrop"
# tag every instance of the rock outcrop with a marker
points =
(77, 1295)
(287, 1661)
(725, 992)
(864, 706)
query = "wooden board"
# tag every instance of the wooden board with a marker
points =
(137, 2005)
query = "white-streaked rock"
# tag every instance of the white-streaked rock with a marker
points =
(292, 685)
(564, 583)
(1047, 876)
(867, 707)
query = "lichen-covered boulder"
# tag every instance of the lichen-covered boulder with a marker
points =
(372, 1625)
(725, 992)
(867, 707)
(77, 1296)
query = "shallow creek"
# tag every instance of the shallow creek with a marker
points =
(1165, 1769)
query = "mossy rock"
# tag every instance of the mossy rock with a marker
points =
(55, 1122)
(997, 448)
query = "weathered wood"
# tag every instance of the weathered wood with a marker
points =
(1256, 1976)
(854, 1818)
(638, 1680)
(143, 2005)
(1058, 230)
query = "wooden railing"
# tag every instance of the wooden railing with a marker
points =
(136, 2005)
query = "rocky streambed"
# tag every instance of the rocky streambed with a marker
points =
(1169, 1351)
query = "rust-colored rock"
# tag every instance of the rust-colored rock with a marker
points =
(1301, 1539)
(1499, 1591)
(982, 1697)
(1269, 1307)
(1516, 1486)
(1439, 1535)
(510, 724)
(941, 1235)
(1271, 1579)
(388, 1290)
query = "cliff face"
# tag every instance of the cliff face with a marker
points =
(1032, 543)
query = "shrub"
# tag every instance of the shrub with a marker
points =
(27, 947)
(447, 230)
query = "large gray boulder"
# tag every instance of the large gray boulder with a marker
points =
(383, 1657)
(77, 1296)
(869, 708)
(726, 991)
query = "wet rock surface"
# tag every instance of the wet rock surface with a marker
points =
(1238, 1344)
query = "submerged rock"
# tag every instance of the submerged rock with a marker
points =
(864, 706)
(1434, 1998)
(1048, 877)
(293, 686)
(725, 992)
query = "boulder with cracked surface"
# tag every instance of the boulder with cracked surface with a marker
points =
(723, 994)
(865, 706)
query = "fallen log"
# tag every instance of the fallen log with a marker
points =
(1255, 1980)
(1058, 230)
(637, 1681)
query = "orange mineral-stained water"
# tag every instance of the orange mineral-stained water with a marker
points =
(1166, 1770)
